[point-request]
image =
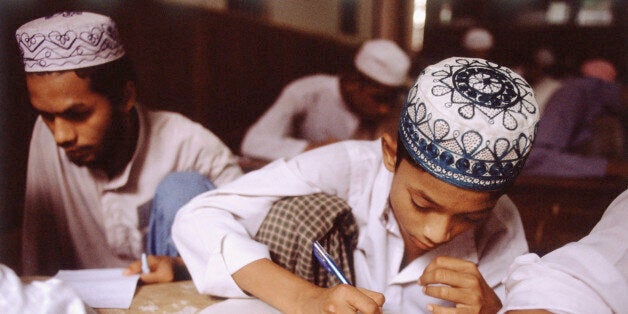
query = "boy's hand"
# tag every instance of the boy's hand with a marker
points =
(342, 299)
(462, 284)
(162, 269)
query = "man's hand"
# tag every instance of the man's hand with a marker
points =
(460, 282)
(162, 269)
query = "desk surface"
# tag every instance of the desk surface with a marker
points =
(174, 297)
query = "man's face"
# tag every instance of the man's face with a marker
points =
(370, 100)
(80, 120)
(431, 212)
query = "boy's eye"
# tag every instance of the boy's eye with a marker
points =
(47, 117)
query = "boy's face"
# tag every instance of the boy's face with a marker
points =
(429, 211)
(368, 99)
(81, 121)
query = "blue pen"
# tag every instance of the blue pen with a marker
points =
(323, 257)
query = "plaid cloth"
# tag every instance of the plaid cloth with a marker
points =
(294, 223)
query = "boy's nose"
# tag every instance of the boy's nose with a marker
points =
(63, 132)
(438, 228)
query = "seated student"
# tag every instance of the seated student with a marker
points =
(580, 134)
(435, 228)
(322, 109)
(588, 276)
(97, 156)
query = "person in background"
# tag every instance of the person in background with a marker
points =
(435, 230)
(321, 109)
(580, 133)
(588, 276)
(97, 156)
(477, 42)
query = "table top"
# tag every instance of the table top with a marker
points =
(172, 297)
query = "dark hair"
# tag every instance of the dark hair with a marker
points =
(110, 79)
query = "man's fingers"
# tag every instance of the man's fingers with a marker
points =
(350, 300)
(375, 296)
(438, 309)
(133, 268)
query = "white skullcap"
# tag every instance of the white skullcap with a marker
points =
(470, 123)
(383, 61)
(478, 39)
(68, 41)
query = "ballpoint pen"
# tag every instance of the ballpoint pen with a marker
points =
(145, 268)
(324, 259)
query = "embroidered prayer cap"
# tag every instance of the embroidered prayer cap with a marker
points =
(68, 41)
(470, 123)
(383, 61)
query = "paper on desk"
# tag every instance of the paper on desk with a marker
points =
(101, 288)
(256, 306)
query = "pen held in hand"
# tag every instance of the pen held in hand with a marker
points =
(325, 260)
(145, 268)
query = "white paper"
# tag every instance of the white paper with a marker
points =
(101, 288)
(256, 306)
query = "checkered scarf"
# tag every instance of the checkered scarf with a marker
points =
(294, 223)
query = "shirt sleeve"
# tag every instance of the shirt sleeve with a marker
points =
(271, 137)
(588, 276)
(40, 218)
(213, 232)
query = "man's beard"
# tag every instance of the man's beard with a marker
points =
(111, 143)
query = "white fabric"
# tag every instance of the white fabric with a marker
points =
(76, 213)
(213, 231)
(310, 109)
(68, 41)
(383, 61)
(588, 276)
(38, 297)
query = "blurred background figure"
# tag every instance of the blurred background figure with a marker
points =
(543, 75)
(478, 42)
(580, 133)
(321, 109)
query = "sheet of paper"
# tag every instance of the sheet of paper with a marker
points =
(256, 306)
(101, 288)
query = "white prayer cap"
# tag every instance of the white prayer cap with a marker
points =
(383, 61)
(477, 39)
(68, 41)
(470, 123)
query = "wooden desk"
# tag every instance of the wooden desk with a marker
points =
(556, 211)
(174, 297)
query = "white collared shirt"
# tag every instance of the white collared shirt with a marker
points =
(309, 109)
(79, 218)
(213, 231)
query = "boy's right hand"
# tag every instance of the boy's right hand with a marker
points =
(342, 299)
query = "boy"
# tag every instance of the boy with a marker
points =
(435, 230)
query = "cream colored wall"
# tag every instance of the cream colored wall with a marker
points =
(321, 17)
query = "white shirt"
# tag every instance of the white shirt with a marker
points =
(79, 218)
(49, 296)
(213, 231)
(310, 109)
(588, 276)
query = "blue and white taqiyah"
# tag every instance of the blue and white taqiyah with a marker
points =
(68, 41)
(470, 122)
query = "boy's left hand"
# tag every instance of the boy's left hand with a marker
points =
(462, 284)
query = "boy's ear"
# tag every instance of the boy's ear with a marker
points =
(389, 150)
(130, 96)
